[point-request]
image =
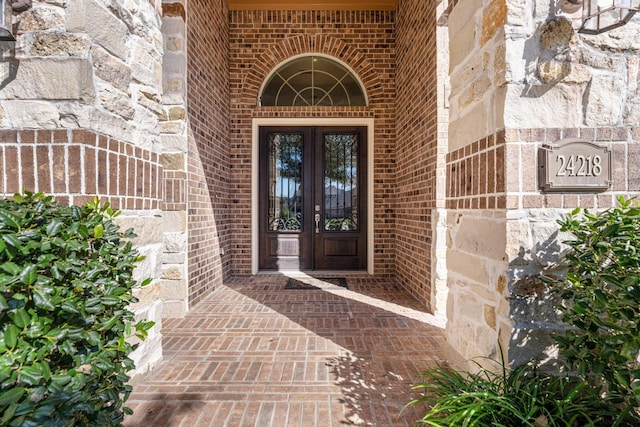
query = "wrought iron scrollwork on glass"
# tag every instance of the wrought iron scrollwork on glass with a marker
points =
(285, 181)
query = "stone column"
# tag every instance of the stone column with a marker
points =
(79, 105)
(522, 77)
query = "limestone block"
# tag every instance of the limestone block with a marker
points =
(110, 69)
(147, 294)
(471, 125)
(40, 18)
(175, 242)
(48, 78)
(146, 357)
(475, 91)
(177, 113)
(150, 266)
(149, 98)
(482, 237)
(494, 18)
(175, 63)
(633, 75)
(144, 60)
(60, 44)
(174, 290)
(578, 73)
(470, 307)
(462, 41)
(547, 249)
(111, 33)
(116, 102)
(532, 309)
(605, 99)
(174, 27)
(602, 60)
(519, 242)
(464, 75)
(534, 107)
(529, 345)
(518, 55)
(174, 309)
(469, 266)
(144, 138)
(151, 229)
(172, 161)
(74, 114)
(518, 13)
(173, 271)
(174, 258)
(106, 122)
(173, 127)
(552, 70)
(173, 142)
(30, 114)
(632, 112)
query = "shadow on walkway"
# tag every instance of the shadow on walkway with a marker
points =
(257, 354)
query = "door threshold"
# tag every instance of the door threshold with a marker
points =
(316, 272)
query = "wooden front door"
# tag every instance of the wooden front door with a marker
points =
(312, 198)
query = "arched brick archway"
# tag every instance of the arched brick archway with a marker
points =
(364, 42)
(311, 44)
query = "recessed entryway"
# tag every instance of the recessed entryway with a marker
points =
(312, 195)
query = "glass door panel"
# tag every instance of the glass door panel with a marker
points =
(285, 177)
(340, 182)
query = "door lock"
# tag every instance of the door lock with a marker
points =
(317, 223)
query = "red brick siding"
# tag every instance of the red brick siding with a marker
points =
(364, 40)
(210, 216)
(416, 144)
(77, 165)
(475, 175)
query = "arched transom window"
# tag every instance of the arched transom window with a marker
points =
(312, 81)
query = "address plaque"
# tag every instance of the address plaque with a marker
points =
(574, 165)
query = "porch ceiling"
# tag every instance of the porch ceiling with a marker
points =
(312, 5)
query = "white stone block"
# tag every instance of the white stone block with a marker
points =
(52, 79)
(41, 17)
(111, 33)
(30, 114)
(558, 106)
(605, 100)
(175, 242)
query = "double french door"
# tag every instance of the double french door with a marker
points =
(312, 196)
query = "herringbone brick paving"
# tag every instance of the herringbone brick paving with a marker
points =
(256, 354)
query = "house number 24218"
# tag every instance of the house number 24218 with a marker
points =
(579, 165)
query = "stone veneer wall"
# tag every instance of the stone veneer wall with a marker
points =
(79, 106)
(210, 214)
(364, 40)
(522, 77)
(417, 146)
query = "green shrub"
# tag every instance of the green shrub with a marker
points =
(601, 295)
(65, 285)
(520, 397)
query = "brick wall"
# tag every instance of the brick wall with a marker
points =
(364, 40)
(77, 165)
(210, 215)
(416, 144)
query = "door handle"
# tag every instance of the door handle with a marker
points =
(317, 223)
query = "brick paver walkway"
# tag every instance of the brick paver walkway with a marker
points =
(257, 354)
